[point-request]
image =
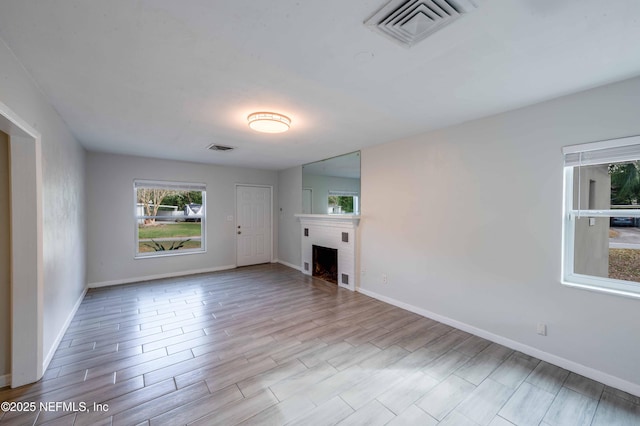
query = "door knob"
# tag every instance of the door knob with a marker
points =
(239, 232)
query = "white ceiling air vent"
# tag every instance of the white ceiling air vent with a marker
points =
(223, 148)
(409, 21)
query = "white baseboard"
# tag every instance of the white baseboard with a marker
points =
(56, 343)
(290, 265)
(602, 377)
(5, 380)
(159, 276)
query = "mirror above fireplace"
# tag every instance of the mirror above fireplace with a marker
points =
(332, 186)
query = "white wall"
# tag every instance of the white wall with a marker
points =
(63, 192)
(5, 258)
(290, 203)
(321, 185)
(474, 230)
(110, 231)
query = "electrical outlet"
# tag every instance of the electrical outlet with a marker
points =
(385, 280)
(542, 329)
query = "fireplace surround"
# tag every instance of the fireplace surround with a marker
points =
(337, 232)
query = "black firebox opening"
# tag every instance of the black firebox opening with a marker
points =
(325, 264)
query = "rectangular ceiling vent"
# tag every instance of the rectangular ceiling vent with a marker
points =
(409, 21)
(223, 148)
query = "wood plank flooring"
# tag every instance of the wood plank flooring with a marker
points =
(267, 345)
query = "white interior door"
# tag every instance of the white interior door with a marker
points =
(253, 227)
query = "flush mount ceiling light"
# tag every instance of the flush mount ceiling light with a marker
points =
(269, 122)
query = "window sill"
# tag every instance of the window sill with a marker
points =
(178, 253)
(607, 286)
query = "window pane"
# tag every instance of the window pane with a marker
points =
(165, 236)
(169, 220)
(591, 187)
(591, 253)
(607, 247)
(624, 249)
(625, 183)
(341, 204)
(606, 186)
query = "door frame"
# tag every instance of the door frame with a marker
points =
(27, 261)
(237, 217)
(311, 203)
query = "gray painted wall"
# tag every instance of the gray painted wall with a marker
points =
(290, 203)
(5, 258)
(63, 193)
(111, 223)
(477, 236)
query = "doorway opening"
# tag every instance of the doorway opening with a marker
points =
(27, 264)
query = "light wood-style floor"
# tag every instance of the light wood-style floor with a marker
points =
(266, 345)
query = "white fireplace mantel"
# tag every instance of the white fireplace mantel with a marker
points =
(330, 218)
(334, 232)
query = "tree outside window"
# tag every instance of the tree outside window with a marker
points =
(169, 218)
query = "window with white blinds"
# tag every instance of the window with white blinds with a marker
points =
(601, 235)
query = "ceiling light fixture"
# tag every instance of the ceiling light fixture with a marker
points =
(269, 122)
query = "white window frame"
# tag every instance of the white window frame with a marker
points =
(179, 186)
(603, 152)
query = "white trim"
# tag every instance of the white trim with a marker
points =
(159, 276)
(183, 186)
(167, 253)
(27, 252)
(311, 205)
(337, 219)
(18, 122)
(63, 330)
(595, 146)
(600, 376)
(171, 184)
(575, 213)
(602, 285)
(343, 193)
(603, 152)
(173, 217)
(5, 380)
(290, 265)
(568, 275)
(566, 238)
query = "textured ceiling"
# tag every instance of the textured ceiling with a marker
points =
(166, 78)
